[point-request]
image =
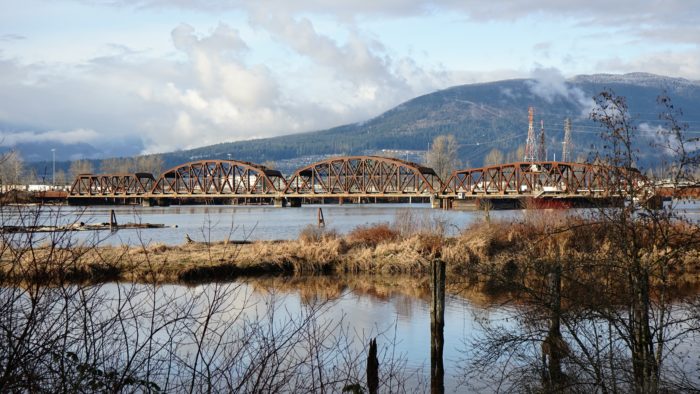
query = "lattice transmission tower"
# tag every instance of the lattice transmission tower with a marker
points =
(530, 145)
(542, 145)
(567, 146)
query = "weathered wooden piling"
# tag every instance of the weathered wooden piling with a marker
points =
(321, 219)
(437, 326)
(553, 347)
(372, 367)
(113, 226)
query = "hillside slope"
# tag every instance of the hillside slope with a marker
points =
(482, 117)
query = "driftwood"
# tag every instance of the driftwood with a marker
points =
(78, 227)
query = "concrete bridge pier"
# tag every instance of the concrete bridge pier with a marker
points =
(156, 202)
(435, 202)
(280, 202)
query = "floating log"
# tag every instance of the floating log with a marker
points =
(79, 227)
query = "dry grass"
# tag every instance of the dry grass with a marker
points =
(511, 250)
(373, 235)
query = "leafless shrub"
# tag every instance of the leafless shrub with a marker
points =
(372, 235)
(311, 234)
(66, 335)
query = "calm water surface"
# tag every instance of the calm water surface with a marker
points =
(395, 310)
(218, 222)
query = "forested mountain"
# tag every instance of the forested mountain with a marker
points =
(481, 116)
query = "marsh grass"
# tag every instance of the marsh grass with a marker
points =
(503, 249)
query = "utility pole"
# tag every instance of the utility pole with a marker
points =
(53, 174)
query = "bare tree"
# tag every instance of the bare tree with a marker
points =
(443, 155)
(11, 169)
(494, 157)
(72, 327)
(596, 292)
(516, 155)
(80, 167)
(61, 179)
(116, 165)
(149, 163)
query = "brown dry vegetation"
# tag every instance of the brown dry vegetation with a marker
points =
(510, 251)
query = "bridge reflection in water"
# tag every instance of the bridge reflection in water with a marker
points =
(361, 179)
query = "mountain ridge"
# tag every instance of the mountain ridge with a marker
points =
(482, 116)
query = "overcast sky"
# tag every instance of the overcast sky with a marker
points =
(180, 74)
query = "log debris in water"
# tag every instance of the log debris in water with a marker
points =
(79, 227)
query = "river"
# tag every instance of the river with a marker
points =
(349, 310)
(218, 222)
(356, 308)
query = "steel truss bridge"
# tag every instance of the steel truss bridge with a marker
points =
(349, 177)
(526, 178)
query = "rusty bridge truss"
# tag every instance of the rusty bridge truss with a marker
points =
(113, 185)
(533, 179)
(210, 178)
(354, 176)
(363, 176)
(219, 178)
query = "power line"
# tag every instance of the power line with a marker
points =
(490, 141)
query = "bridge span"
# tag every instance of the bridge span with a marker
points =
(551, 181)
(348, 179)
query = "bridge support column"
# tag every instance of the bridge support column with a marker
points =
(655, 202)
(280, 202)
(435, 202)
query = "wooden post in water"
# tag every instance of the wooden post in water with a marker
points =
(437, 326)
(554, 348)
(372, 367)
(112, 220)
(321, 219)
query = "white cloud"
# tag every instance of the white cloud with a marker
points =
(550, 83)
(641, 18)
(684, 63)
(210, 93)
(62, 136)
(223, 85)
(11, 37)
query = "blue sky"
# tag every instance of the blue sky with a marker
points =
(177, 74)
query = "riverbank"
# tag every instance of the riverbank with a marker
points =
(490, 254)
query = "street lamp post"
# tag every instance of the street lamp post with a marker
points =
(53, 175)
